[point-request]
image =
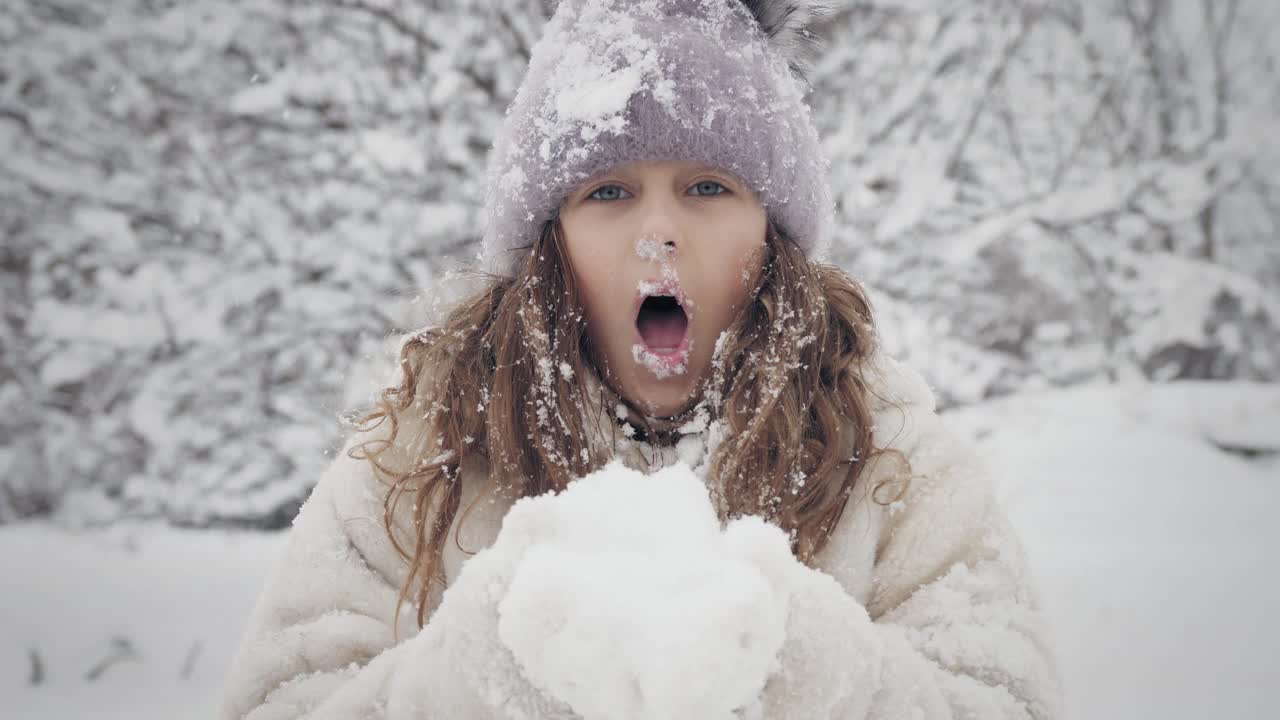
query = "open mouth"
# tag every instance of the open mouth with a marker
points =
(663, 325)
(662, 343)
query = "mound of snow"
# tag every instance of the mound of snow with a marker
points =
(1151, 544)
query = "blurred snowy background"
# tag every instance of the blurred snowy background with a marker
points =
(215, 215)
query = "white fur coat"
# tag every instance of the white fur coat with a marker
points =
(940, 621)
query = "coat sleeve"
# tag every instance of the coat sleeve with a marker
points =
(321, 641)
(953, 627)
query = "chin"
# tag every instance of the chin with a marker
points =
(664, 398)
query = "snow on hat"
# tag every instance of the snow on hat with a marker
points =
(618, 81)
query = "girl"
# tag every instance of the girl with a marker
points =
(656, 215)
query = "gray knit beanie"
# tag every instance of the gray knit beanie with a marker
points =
(618, 81)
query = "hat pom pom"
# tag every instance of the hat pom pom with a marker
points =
(786, 24)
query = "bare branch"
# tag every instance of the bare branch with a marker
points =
(122, 650)
(37, 668)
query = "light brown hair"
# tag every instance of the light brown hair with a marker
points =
(500, 377)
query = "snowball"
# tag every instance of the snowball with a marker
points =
(630, 601)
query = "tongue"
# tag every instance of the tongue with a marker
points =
(662, 329)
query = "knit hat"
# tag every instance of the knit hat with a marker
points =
(618, 81)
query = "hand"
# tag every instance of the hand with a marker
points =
(460, 668)
(830, 661)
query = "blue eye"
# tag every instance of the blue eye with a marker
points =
(607, 193)
(708, 188)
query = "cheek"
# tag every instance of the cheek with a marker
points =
(746, 258)
(747, 236)
(598, 294)
(588, 264)
(729, 288)
(592, 291)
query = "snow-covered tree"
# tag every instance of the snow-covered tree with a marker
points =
(1039, 188)
(212, 210)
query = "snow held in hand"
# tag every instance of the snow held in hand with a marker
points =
(627, 599)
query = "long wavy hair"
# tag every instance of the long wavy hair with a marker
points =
(500, 378)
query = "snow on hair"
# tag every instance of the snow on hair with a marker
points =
(793, 396)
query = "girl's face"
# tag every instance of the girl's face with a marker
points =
(665, 254)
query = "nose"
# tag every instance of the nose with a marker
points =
(660, 227)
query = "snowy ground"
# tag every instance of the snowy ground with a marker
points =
(1150, 542)
(1154, 549)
